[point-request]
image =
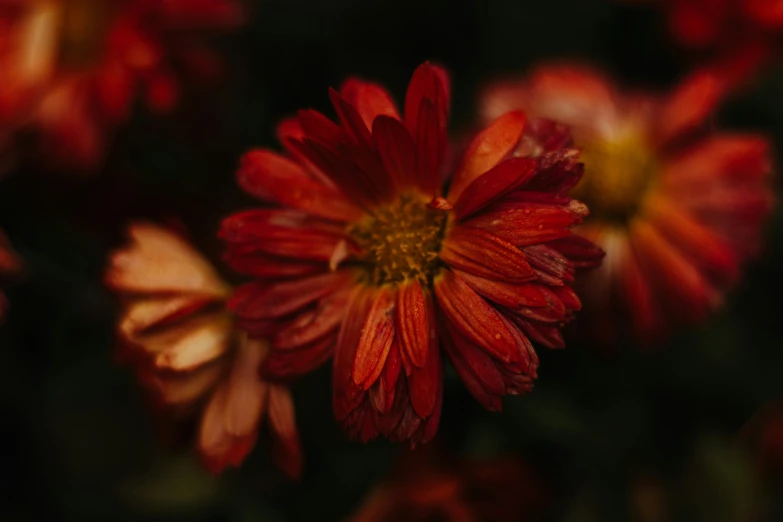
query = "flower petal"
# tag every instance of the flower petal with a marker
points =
(414, 322)
(287, 448)
(689, 105)
(396, 150)
(472, 316)
(487, 149)
(479, 252)
(264, 301)
(271, 177)
(512, 296)
(313, 325)
(370, 99)
(159, 261)
(376, 339)
(347, 396)
(476, 369)
(499, 180)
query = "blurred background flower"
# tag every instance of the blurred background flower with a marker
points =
(432, 486)
(176, 332)
(73, 68)
(677, 207)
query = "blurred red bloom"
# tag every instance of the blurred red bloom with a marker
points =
(740, 34)
(10, 265)
(435, 487)
(177, 333)
(72, 69)
(365, 255)
(676, 208)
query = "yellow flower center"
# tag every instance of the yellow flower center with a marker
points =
(83, 27)
(618, 174)
(401, 241)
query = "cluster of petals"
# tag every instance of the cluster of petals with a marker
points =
(474, 264)
(438, 486)
(72, 69)
(677, 206)
(177, 334)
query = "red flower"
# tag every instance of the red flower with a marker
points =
(676, 208)
(73, 68)
(176, 332)
(367, 257)
(433, 486)
(739, 34)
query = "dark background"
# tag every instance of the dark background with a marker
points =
(76, 442)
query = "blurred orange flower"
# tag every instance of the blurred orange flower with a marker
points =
(677, 209)
(177, 333)
(72, 69)
(431, 487)
(10, 264)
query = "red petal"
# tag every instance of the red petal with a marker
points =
(427, 83)
(549, 261)
(350, 119)
(371, 100)
(476, 369)
(703, 246)
(288, 364)
(544, 334)
(415, 326)
(281, 233)
(687, 291)
(290, 129)
(481, 253)
(311, 326)
(638, 298)
(396, 149)
(582, 252)
(558, 172)
(288, 449)
(511, 296)
(529, 224)
(318, 127)
(488, 148)
(501, 179)
(262, 301)
(347, 396)
(429, 148)
(476, 319)
(271, 177)
(376, 339)
(689, 105)
(269, 267)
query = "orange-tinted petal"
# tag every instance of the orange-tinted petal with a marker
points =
(414, 321)
(481, 253)
(376, 339)
(472, 316)
(487, 149)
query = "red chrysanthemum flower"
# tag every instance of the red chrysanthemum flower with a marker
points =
(676, 208)
(437, 486)
(10, 265)
(177, 333)
(73, 68)
(370, 256)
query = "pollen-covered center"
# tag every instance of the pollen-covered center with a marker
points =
(617, 175)
(401, 241)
